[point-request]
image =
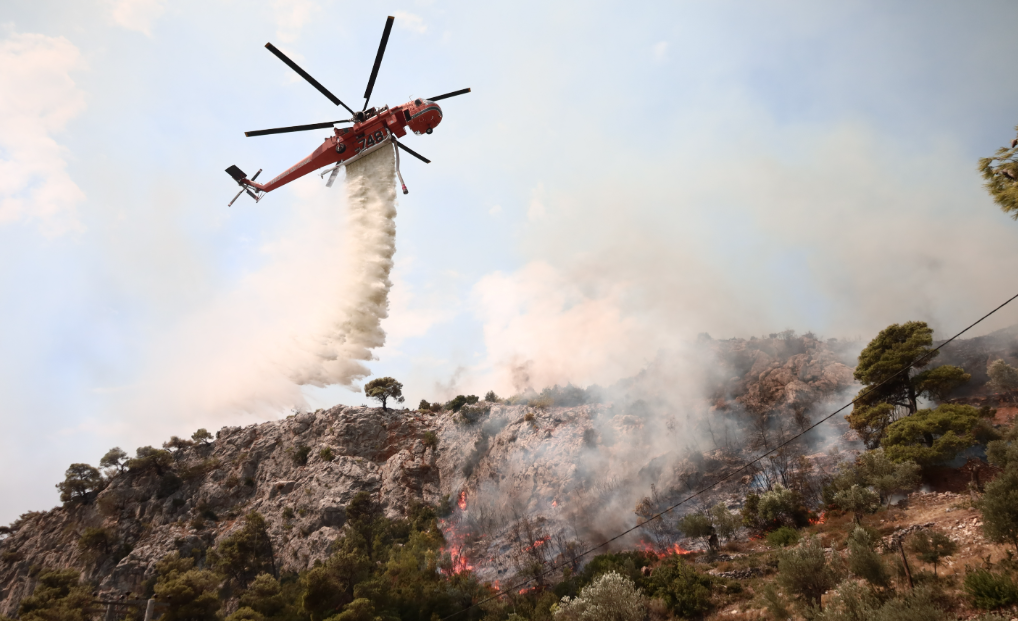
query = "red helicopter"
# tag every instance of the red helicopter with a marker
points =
(373, 128)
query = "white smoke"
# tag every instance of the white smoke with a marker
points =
(371, 243)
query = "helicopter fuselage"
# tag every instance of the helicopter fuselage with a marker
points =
(419, 116)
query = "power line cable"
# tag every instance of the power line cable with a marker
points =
(744, 467)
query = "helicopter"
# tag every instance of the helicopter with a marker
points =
(372, 129)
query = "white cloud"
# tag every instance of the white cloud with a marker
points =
(660, 50)
(494, 211)
(137, 15)
(37, 99)
(411, 22)
(291, 16)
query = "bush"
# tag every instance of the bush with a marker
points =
(423, 406)
(699, 526)
(191, 593)
(300, 454)
(989, 590)
(804, 571)
(326, 454)
(782, 537)
(57, 596)
(176, 443)
(858, 500)
(199, 470)
(430, 439)
(491, 397)
(686, 591)
(149, 459)
(777, 507)
(930, 548)
(456, 403)
(263, 595)
(863, 560)
(245, 553)
(529, 417)
(95, 541)
(611, 597)
(853, 602)
(287, 513)
(999, 506)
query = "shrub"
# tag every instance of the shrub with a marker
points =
(263, 595)
(491, 397)
(287, 513)
(95, 541)
(529, 417)
(423, 405)
(863, 561)
(699, 526)
(726, 523)
(804, 571)
(930, 548)
(79, 481)
(456, 403)
(176, 443)
(199, 470)
(148, 459)
(300, 454)
(777, 507)
(858, 500)
(686, 591)
(989, 590)
(191, 593)
(611, 597)
(430, 439)
(58, 595)
(782, 537)
(246, 553)
(999, 506)
(326, 454)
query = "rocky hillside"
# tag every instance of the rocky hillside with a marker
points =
(512, 481)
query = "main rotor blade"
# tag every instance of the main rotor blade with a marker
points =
(448, 95)
(412, 152)
(378, 60)
(304, 74)
(294, 128)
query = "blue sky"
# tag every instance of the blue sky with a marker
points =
(623, 177)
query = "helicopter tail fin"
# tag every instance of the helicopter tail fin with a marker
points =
(236, 173)
(245, 185)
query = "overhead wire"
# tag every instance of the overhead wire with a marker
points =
(919, 359)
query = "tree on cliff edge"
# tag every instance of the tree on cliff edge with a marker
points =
(898, 347)
(383, 389)
(1001, 175)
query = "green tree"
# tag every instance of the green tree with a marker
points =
(699, 526)
(79, 481)
(933, 436)
(898, 348)
(202, 436)
(725, 522)
(931, 547)
(1004, 451)
(264, 596)
(246, 553)
(58, 596)
(804, 572)
(114, 459)
(999, 506)
(192, 594)
(149, 459)
(1002, 177)
(887, 477)
(858, 500)
(384, 388)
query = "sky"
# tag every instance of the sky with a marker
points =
(623, 177)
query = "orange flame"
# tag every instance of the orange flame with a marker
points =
(672, 549)
(462, 502)
(820, 519)
(554, 503)
(540, 542)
